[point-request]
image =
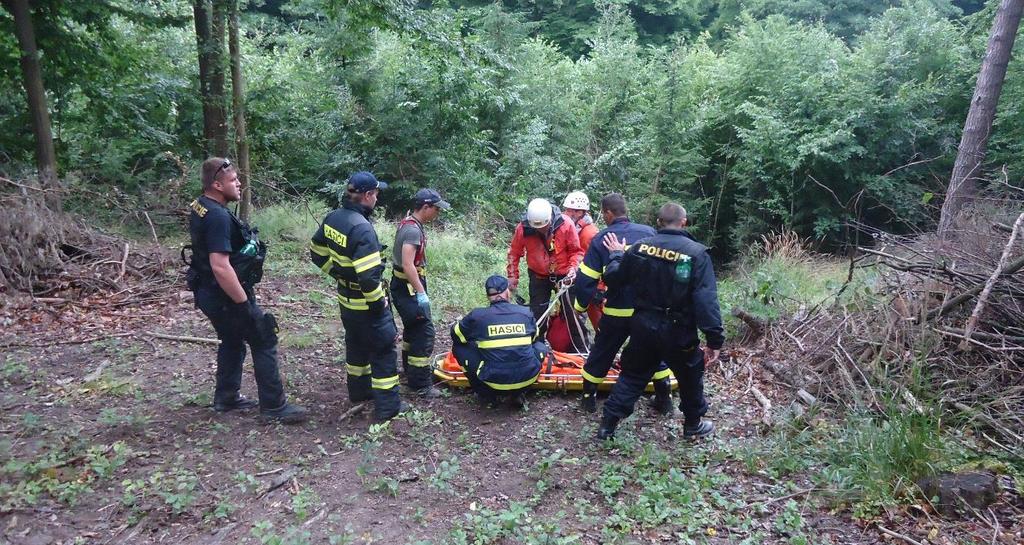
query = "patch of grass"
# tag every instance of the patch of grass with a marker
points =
(778, 277)
(174, 490)
(287, 228)
(874, 461)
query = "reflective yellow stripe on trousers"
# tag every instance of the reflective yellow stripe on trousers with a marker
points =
(358, 370)
(384, 383)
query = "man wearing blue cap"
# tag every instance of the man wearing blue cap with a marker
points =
(409, 291)
(497, 346)
(345, 246)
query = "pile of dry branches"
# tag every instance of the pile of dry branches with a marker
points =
(55, 257)
(945, 320)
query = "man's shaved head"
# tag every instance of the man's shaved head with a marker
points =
(672, 215)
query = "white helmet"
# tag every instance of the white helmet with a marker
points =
(577, 200)
(538, 213)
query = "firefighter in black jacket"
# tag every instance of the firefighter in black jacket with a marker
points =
(675, 295)
(345, 246)
(227, 260)
(497, 346)
(613, 329)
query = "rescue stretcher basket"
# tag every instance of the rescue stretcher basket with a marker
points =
(560, 372)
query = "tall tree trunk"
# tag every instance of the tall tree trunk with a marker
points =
(238, 107)
(963, 184)
(46, 157)
(217, 66)
(201, 10)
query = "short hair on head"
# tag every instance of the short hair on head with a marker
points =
(210, 169)
(614, 203)
(671, 214)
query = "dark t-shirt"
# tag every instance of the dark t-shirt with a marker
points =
(410, 233)
(212, 229)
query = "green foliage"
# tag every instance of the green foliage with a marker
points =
(174, 490)
(64, 473)
(758, 115)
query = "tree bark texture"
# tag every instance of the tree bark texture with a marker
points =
(963, 184)
(201, 10)
(217, 67)
(238, 108)
(46, 157)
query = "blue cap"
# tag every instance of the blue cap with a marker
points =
(496, 284)
(431, 196)
(363, 181)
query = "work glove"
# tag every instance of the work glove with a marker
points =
(247, 310)
(424, 302)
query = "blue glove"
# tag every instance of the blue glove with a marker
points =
(423, 301)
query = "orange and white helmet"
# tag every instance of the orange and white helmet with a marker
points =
(577, 200)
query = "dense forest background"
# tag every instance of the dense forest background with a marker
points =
(756, 114)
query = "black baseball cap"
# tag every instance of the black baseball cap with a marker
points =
(496, 284)
(363, 181)
(431, 196)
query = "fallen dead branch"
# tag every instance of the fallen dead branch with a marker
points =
(183, 338)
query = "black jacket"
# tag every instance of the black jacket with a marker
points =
(619, 302)
(345, 246)
(656, 269)
(504, 334)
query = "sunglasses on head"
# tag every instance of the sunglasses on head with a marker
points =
(226, 164)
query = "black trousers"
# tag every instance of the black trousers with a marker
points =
(610, 337)
(655, 338)
(470, 359)
(417, 334)
(234, 329)
(371, 361)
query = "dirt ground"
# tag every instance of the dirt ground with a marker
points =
(107, 436)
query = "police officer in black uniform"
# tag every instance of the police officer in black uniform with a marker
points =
(497, 346)
(346, 247)
(613, 329)
(227, 260)
(675, 295)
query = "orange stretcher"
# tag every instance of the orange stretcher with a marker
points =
(560, 371)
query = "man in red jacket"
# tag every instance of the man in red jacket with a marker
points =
(552, 248)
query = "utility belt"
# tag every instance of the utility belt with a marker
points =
(400, 274)
(674, 314)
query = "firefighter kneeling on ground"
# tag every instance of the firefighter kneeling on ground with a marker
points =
(497, 347)
(675, 294)
(346, 247)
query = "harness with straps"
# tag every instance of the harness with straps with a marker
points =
(421, 251)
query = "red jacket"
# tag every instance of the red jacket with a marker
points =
(587, 231)
(554, 250)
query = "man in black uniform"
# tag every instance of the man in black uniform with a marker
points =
(227, 259)
(497, 346)
(409, 291)
(675, 294)
(345, 246)
(613, 329)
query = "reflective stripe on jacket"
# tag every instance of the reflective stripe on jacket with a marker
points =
(618, 302)
(345, 246)
(504, 334)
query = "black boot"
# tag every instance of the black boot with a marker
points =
(589, 400)
(607, 429)
(662, 397)
(697, 429)
(241, 402)
(286, 414)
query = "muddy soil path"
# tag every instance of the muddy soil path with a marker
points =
(107, 437)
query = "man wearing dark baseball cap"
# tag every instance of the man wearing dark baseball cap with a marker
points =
(497, 346)
(346, 247)
(409, 291)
